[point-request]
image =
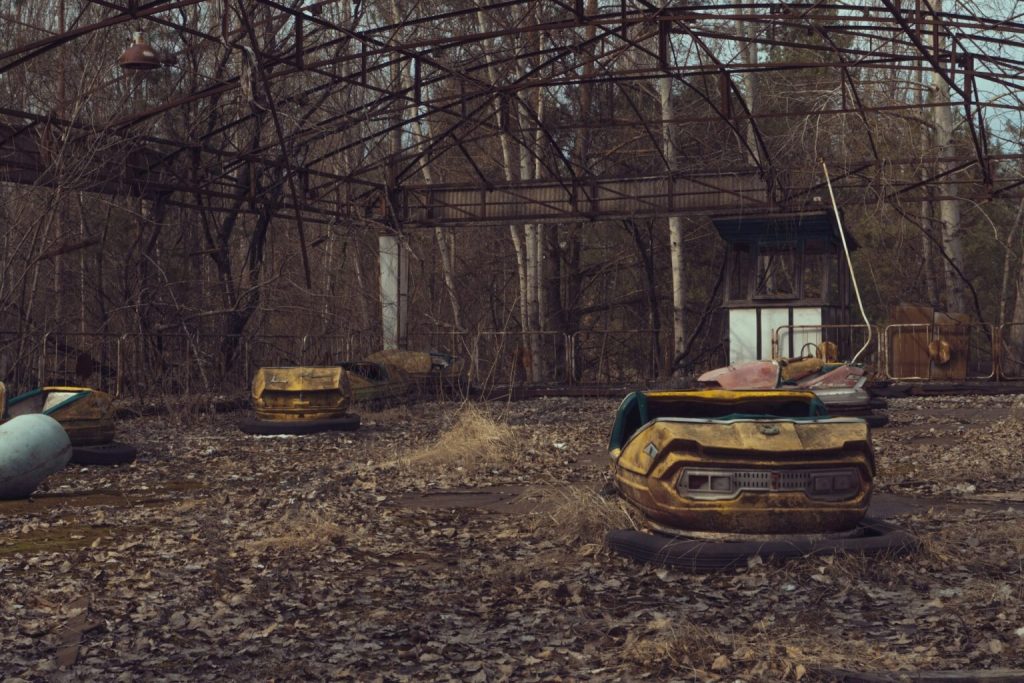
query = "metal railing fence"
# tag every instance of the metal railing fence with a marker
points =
(137, 365)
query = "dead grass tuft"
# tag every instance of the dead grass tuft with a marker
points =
(300, 530)
(572, 513)
(671, 645)
(474, 442)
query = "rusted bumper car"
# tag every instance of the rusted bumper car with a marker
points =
(840, 386)
(431, 373)
(300, 400)
(722, 475)
(87, 415)
(377, 385)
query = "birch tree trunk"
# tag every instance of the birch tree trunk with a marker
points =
(675, 223)
(949, 205)
(926, 202)
(529, 169)
(1008, 241)
(445, 248)
(511, 172)
(529, 233)
(1016, 337)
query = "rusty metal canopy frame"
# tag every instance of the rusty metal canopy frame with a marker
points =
(434, 113)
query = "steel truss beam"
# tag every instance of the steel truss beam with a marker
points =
(328, 97)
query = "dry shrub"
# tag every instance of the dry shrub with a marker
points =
(570, 513)
(474, 442)
(297, 530)
(671, 645)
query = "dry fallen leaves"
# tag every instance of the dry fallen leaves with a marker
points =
(220, 555)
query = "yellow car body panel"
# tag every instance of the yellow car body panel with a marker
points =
(427, 371)
(87, 415)
(740, 436)
(412, 362)
(378, 382)
(768, 464)
(301, 393)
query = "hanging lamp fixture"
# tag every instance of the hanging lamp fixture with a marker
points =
(140, 55)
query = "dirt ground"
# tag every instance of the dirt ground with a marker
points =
(441, 542)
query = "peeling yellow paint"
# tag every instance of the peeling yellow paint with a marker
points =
(301, 393)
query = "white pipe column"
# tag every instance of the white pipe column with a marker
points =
(394, 292)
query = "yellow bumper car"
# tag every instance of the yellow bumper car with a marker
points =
(87, 416)
(377, 385)
(301, 400)
(719, 475)
(430, 373)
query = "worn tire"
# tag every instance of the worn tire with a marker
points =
(876, 421)
(347, 423)
(701, 556)
(113, 453)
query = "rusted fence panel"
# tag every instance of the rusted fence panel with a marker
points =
(505, 358)
(617, 356)
(943, 352)
(20, 356)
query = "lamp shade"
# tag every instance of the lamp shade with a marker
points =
(140, 56)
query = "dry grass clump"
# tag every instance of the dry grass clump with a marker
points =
(474, 442)
(671, 645)
(987, 544)
(571, 513)
(300, 530)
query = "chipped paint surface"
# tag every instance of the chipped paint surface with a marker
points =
(649, 466)
(301, 393)
(753, 375)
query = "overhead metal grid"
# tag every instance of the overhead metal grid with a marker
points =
(459, 113)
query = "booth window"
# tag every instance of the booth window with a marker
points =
(739, 278)
(816, 263)
(835, 276)
(777, 271)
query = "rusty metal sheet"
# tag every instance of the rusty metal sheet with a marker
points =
(954, 330)
(844, 376)
(758, 374)
(908, 346)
